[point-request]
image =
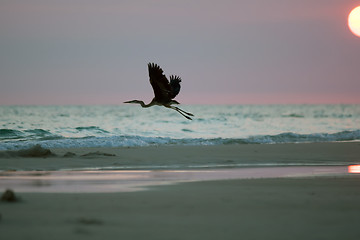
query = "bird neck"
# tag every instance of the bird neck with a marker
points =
(152, 103)
(146, 105)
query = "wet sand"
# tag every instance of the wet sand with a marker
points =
(287, 208)
(101, 181)
(325, 207)
(186, 157)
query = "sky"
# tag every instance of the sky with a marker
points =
(226, 52)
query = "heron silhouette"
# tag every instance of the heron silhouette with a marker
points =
(164, 91)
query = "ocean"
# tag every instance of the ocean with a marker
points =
(130, 125)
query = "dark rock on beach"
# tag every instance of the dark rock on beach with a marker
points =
(98, 153)
(35, 151)
(9, 196)
(69, 154)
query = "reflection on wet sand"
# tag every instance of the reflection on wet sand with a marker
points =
(354, 169)
(134, 180)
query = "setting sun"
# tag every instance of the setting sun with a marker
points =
(354, 21)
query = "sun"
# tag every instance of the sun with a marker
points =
(354, 21)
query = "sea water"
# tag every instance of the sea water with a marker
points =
(130, 125)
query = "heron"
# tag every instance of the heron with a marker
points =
(164, 90)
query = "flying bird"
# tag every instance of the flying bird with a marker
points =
(164, 91)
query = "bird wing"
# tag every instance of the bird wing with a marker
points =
(159, 83)
(175, 85)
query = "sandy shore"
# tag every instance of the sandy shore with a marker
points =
(175, 157)
(286, 208)
(302, 208)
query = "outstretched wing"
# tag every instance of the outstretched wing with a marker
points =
(175, 85)
(159, 83)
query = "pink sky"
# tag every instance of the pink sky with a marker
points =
(227, 52)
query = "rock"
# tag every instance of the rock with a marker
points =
(69, 154)
(36, 151)
(9, 196)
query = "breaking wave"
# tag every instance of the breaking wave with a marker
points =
(138, 141)
(31, 134)
(22, 127)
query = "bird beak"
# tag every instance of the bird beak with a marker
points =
(132, 101)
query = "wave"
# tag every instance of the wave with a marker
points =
(292, 115)
(10, 134)
(41, 134)
(91, 129)
(30, 134)
(290, 137)
(139, 141)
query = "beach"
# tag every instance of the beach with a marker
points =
(300, 208)
(183, 157)
(316, 207)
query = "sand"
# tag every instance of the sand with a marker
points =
(185, 157)
(285, 208)
(316, 208)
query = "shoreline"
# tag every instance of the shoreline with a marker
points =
(187, 157)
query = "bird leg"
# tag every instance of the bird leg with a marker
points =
(182, 114)
(179, 111)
